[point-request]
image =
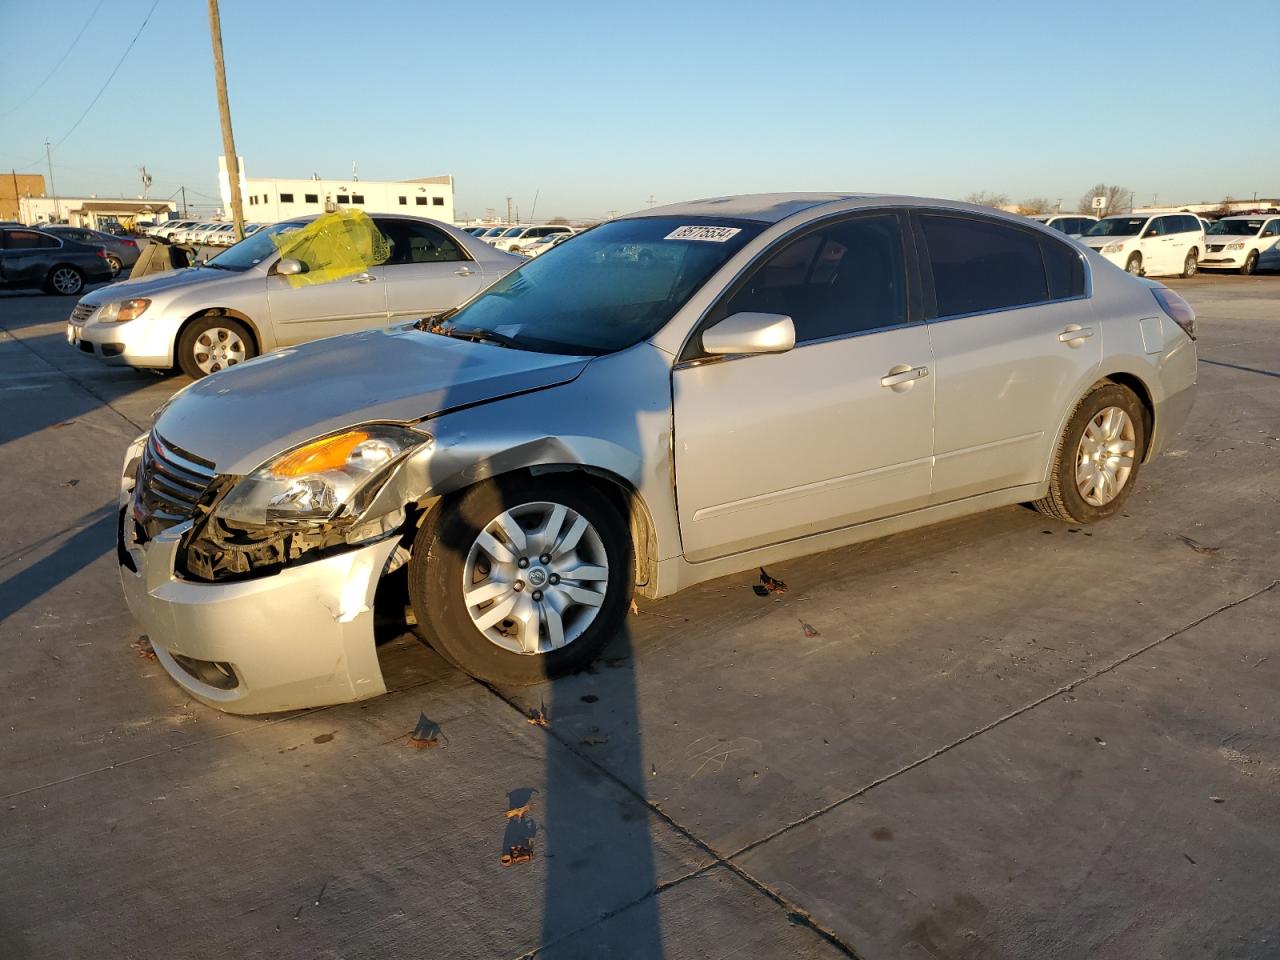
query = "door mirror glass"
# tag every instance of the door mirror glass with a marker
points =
(1151, 232)
(288, 267)
(750, 333)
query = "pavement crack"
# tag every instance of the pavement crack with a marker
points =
(1065, 688)
(1238, 366)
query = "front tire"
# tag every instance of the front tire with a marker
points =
(64, 280)
(1191, 264)
(212, 343)
(1134, 264)
(521, 579)
(1250, 264)
(1098, 457)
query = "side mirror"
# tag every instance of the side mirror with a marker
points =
(1150, 233)
(288, 267)
(750, 333)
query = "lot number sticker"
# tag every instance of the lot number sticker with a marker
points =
(710, 234)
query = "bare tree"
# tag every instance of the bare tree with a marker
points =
(1224, 208)
(1118, 199)
(984, 198)
(1029, 208)
(558, 222)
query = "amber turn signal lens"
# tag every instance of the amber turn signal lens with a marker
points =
(331, 453)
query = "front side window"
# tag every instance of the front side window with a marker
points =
(611, 288)
(1272, 229)
(980, 265)
(1117, 227)
(842, 279)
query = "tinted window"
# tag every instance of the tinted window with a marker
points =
(1159, 227)
(1063, 269)
(1063, 225)
(1272, 229)
(417, 243)
(842, 279)
(28, 240)
(979, 265)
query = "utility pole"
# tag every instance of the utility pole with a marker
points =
(53, 190)
(184, 202)
(508, 209)
(224, 111)
(651, 201)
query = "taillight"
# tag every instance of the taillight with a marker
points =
(1177, 309)
(102, 254)
(130, 243)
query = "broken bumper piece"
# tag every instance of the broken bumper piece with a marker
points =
(300, 638)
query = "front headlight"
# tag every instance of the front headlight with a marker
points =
(1237, 245)
(1113, 247)
(318, 480)
(123, 310)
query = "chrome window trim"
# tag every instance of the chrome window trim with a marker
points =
(1023, 306)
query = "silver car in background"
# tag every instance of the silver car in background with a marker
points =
(677, 395)
(238, 305)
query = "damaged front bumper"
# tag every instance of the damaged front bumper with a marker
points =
(302, 637)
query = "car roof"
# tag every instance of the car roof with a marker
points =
(1251, 216)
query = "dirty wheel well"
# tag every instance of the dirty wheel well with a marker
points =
(1144, 397)
(223, 312)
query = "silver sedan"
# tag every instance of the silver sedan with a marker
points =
(240, 304)
(674, 396)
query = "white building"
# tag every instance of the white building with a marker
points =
(92, 212)
(267, 200)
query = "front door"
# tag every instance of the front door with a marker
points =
(315, 310)
(1012, 340)
(427, 272)
(838, 430)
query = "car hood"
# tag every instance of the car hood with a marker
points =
(241, 416)
(159, 283)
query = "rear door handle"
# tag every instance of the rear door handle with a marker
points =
(902, 374)
(463, 272)
(364, 278)
(1075, 335)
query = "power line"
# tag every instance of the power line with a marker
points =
(107, 83)
(65, 54)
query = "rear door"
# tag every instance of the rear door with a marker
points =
(837, 431)
(1269, 246)
(428, 271)
(1012, 336)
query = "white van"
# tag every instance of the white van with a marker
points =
(1072, 224)
(1156, 245)
(1247, 244)
(517, 238)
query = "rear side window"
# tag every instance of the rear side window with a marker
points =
(841, 279)
(1063, 269)
(29, 240)
(979, 265)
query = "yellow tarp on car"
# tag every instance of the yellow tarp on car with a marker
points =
(333, 246)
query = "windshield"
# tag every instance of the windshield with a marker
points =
(610, 288)
(514, 232)
(1237, 228)
(495, 231)
(1117, 227)
(251, 251)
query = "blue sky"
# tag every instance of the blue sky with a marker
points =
(597, 106)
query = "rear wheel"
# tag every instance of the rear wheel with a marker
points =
(114, 263)
(1097, 460)
(521, 579)
(1250, 264)
(1134, 264)
(213, 343)
(64, 280)
(1191, 264)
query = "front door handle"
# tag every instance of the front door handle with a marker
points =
(463, 272)
(364, 278)
(1075, 334)
(902, 376)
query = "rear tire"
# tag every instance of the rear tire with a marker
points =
(1191, 264)
(449, 558)
(64, 280)
(1134, 264)
(212, 343)
(1093, 475)
(1250, 264)
(115, 265)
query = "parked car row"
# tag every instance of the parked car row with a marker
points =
(522, 238)
(208, 233)
(121, 252)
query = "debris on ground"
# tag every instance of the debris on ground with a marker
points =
(809, 630)
(142, 647)
(1189, 860)
(70, 483)
(518, 853)
(538, 715)
(324, 737)
(594, 739)
(518, 813)
(634, 607)
(426, 735)
(1259, 662)
(64, 423)
(1198, 547)
(768, 585)
(1099, 741)
(1217, 800)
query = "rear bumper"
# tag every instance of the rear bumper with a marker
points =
(300, 638)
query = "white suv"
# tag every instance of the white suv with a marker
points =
(1246, 244)
(517, 238)
(1072, 224)
(1156, 245)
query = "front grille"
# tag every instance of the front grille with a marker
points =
(1216, 247)
(170, 483)
(82, 312)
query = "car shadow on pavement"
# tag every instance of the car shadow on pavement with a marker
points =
(94, 534)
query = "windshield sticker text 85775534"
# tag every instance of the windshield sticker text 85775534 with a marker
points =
(711, 234)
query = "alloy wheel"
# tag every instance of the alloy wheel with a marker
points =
(1105, 456)
(66, 281)
(217, 348)
(535, 578)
